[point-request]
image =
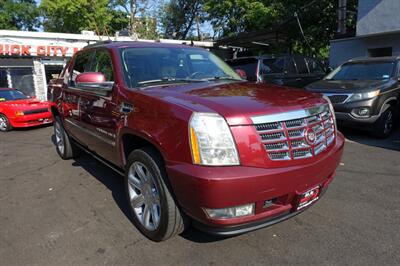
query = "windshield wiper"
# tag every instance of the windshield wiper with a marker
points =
(223, 78)
(168, 80)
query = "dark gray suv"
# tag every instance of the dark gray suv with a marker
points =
(365, 93)
(286, 70)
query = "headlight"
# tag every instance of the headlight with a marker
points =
(363, 96)
(211, 140)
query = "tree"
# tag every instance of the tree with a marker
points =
(73, 16)
(142, 21)
(318, 20)
(19, 15)
(230, 17)
(179, 18)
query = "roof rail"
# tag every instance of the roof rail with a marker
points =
(98, 43)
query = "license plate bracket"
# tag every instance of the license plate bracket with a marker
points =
(308, 197)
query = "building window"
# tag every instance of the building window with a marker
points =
(378, 52)
(3, 78)
(22, 79)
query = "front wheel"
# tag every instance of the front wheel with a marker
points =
(385, 124)
(4, 123)
(63, 143)
(151, 204)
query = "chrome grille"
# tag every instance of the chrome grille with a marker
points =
(294, 123)
(319, 148)
(268, 126)
(291, 139)
(296, 133)
(299, 144)
(299, 154)
(273, 136)
(279, 156)
(277, 146)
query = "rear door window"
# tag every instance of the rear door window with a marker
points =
(301, 65)
(273, 66)
(290, 68)
(315, 67)
(249, 65)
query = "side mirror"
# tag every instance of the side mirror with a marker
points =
(241, 73)
(90, 77)
(94, 82)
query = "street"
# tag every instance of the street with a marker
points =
(55, 212)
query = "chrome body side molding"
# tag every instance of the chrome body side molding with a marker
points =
(292, 115)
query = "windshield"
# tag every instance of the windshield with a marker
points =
(363, 71)
(11, 95)
(248, 65)
(149, 66)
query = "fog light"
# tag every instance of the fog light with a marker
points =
(362, 112)
(232, 212)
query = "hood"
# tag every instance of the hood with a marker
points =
(237, 101)
(347, 86)
(26, 104)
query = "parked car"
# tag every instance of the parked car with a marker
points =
(365, 93)
(287, 70)
(18, 110)
(193, 140)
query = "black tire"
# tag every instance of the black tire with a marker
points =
(67, 152)
(172, 220)
(385, 124)
(4, 123)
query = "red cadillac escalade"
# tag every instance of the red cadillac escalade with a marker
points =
(195, 142)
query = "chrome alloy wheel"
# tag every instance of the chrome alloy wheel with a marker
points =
(144, 196)
(3, 123)
(59, 137)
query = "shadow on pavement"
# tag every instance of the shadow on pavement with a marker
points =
(363, 137)
(115, 183)
(108, 177)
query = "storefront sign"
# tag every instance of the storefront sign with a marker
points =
(40, 50)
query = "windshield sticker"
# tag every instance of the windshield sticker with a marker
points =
(2, 99)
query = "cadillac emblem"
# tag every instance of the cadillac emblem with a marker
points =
(310, 136)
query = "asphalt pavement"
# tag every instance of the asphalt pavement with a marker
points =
(55, 212)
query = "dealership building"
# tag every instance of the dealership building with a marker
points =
(28, 60)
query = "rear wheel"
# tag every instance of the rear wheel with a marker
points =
(385, 124)
(4, 123)
(63, 143)
(151, 204)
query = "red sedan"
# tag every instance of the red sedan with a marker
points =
(18, 110)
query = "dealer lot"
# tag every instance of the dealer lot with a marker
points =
(55, 212)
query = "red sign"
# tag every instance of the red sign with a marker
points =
(41, 50)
